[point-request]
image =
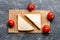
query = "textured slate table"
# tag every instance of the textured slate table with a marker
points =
(53, 5)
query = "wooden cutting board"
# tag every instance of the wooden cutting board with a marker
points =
(13, 14)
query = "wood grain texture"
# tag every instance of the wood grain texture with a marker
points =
(13, 14)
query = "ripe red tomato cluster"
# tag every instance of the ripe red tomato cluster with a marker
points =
(31, 6)
(50, 17)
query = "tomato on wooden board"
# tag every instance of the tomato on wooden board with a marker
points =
(46, 29)
(11, 23)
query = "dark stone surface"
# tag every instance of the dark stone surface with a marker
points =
(53, 5)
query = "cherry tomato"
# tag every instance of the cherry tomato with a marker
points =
(11, 23)
(31, 6)
(46, 29)
(50, 16)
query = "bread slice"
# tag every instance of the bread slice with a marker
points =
(23, 25)
(35, 18)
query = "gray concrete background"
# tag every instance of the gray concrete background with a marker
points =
(53, 5)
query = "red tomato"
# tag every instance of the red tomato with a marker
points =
(50, 16)
(11, 23)
(46, 29)
(31, 6)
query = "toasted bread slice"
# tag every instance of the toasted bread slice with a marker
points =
(23, 25)
(35, 18)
